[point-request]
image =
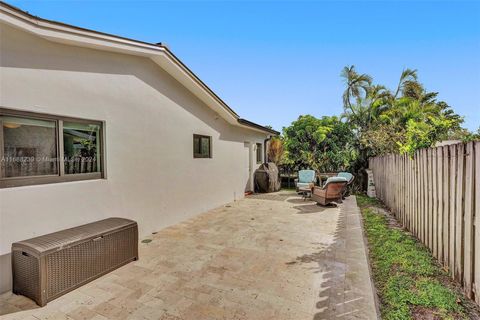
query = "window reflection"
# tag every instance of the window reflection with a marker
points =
(29, 147)
(202, 146)
(81, 147)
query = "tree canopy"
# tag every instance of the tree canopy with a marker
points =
(403, 120)
(324, 144)
(375, 121)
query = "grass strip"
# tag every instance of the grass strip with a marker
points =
(409, 282)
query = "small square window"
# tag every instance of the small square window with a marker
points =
(202, 146)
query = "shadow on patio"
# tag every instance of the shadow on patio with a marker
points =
(253, 259)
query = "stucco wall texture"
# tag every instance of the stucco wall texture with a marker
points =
(150, 119)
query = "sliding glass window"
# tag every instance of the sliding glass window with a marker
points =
(38, 149)
(29, 147)
(81, 147)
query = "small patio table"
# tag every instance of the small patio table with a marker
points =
(306, 191)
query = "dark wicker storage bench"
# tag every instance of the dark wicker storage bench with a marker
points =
(49, 266)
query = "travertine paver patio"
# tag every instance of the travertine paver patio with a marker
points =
(266, 257)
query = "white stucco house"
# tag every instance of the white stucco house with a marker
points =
(94, 125)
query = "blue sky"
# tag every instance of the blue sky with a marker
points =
(272, 61)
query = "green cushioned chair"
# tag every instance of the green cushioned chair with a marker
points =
(350, 177)
(305, 178)
(347, 175)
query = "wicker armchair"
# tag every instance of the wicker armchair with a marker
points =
(332, 191)
(350, 177)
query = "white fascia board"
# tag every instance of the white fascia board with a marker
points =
(70, 35)
(255, 129)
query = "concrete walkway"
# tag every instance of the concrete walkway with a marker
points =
(269, 256)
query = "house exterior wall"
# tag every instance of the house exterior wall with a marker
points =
(149, 118)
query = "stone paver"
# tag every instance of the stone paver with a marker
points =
(265, 257)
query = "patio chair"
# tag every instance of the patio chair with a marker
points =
(350, 177)
(332, 191)
(347, 175)
(305, 179)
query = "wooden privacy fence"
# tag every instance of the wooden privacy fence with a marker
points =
(436, 196)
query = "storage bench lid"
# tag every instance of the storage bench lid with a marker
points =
(61, 239)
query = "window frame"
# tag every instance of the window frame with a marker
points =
(9, 182)
(259, 153)
(199, 155)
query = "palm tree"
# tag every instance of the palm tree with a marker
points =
(408, 80)
(376, 101)
(357, 86)
(379, 99)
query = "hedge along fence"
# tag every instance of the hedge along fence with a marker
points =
(436, 196)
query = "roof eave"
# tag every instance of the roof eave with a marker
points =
(251, 124)
(160, 54)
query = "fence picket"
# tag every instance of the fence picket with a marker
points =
(411, 218)
(476, 224)
(446, 208)
(440, 203)
(407, 191)
(468, 221)
(415, 195)
(453, 207)
(459, 215)
(402, 194)
(425, 198)
(420, 195)
(430, 198)
(434, 203)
